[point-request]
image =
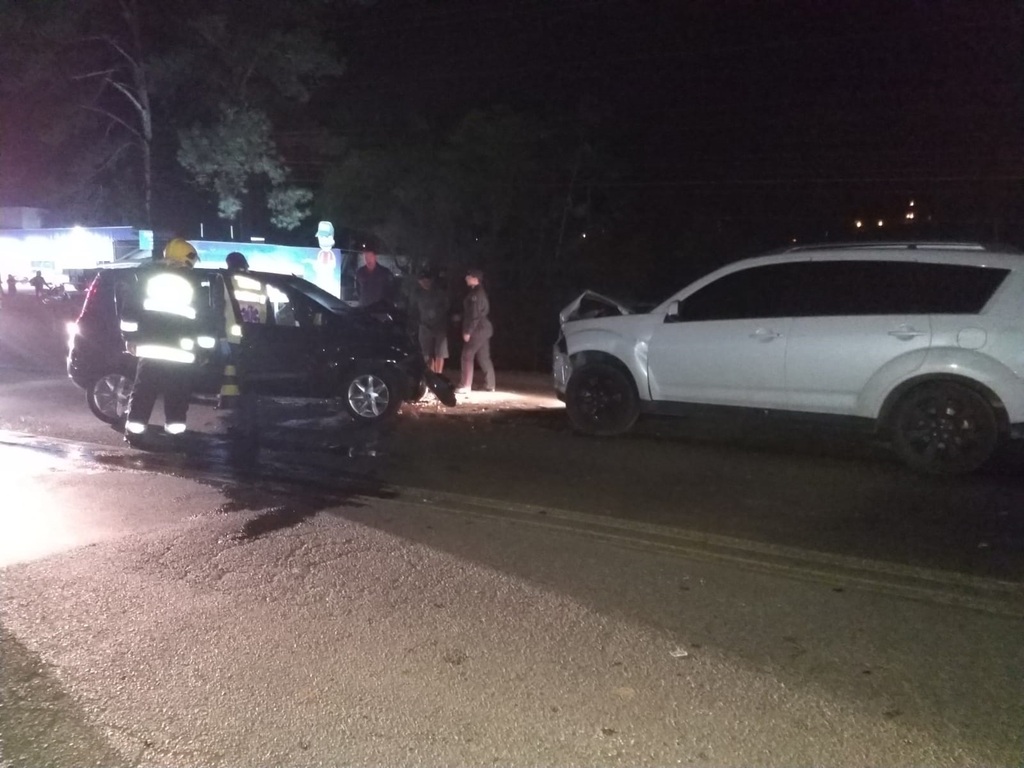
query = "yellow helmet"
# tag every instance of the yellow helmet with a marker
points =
(179, 252)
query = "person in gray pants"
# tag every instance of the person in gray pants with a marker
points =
(476, 333)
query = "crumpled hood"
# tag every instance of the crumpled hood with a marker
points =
(590, 304)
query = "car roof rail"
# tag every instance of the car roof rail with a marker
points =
(905, 245)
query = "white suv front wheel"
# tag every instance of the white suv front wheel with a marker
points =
(601, 399)
(944, 428)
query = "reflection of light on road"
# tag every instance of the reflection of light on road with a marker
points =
(515, 399)
(33, 522)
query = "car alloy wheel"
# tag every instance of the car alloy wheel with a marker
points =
(601, 400)
(945, 428)
(108, 397)
(370, 397)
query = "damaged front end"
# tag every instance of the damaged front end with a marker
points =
(590, 304)
(587, 306)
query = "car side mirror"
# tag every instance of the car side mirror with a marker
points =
(674, 314)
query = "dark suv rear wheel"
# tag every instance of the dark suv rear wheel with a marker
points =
(601, 400)
(108, 396)
(944, 428)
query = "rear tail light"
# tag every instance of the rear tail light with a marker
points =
(93, 288)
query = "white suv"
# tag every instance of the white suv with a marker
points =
(925, 340)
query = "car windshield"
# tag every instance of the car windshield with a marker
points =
(317, 294)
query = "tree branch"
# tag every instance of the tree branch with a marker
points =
(111, 116)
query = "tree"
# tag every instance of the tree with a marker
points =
(81, 65)
(227, 156)
(230, 148)
(93, 94)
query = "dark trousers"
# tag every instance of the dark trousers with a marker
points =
(477, 348)
(159, 377)
(243, 420)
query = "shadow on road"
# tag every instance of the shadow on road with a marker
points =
(284, 487)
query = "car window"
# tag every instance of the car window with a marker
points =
(754, 292)
(955, 288)
(843, 288)
(317, 295)
(286, 306)
(251, 296)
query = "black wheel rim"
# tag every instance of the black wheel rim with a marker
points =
(947, 429)
(600, 400)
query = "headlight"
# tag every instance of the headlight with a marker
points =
(206, 342)
(188, 344)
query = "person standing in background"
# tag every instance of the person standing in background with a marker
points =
(237, 262)
(373, 282)
(430, 303)
(476, 333)
(39, 283)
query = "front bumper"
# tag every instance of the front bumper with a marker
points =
(561, 369)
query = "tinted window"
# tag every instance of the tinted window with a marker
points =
(749, 293)
(824, 288)
(319, 295)
(954, 289)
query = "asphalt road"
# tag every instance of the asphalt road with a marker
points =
(479, 585)
(747, 477)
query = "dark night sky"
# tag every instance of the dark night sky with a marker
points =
(836, 103)
(715, 77)
(759, 111)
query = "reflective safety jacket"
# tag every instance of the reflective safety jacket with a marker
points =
(173, 314)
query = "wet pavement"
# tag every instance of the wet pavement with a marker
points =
(750, 478)
(480, 585)
(189, 614)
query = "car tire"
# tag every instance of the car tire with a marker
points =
(601, 400)
(418, 390)
(945, 428)
(108, 396)
(370, 395)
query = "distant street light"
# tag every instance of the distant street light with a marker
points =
(858, 223)
(881, 223)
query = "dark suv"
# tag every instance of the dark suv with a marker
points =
(291, 339)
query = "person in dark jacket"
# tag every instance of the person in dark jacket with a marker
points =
(430, 307)
(237, 262)
(374, 283)
(476, 333)
(39, 283)
(165, 327)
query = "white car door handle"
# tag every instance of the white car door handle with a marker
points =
(765, 334)
(906, 333)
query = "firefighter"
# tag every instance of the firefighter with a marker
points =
(164, 323)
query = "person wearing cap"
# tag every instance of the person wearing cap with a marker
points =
(476, 333)
(430, 307)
